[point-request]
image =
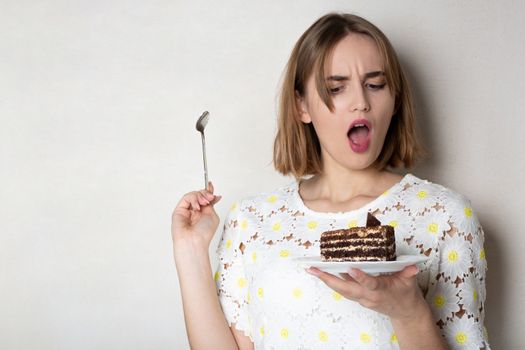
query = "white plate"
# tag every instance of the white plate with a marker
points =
(370, 267)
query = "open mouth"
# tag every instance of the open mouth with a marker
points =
(359, 132)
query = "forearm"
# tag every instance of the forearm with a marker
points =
(419, 332)
(206, 325)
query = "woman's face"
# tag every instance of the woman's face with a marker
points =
(351, 136)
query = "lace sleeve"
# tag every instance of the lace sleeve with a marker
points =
(230, 277)
(457, 291)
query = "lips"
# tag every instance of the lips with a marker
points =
(359, 134)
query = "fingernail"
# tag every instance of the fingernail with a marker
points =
(353, 273)
(312, 271)
(215, 200)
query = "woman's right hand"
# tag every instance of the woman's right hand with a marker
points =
(194, 221)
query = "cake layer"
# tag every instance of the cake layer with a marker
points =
(360, 232)
(341, 242)
(375, 243)
(360, 254)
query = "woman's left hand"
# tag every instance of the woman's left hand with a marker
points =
(397, 295)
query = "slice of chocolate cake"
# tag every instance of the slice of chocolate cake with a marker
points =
(375, 242)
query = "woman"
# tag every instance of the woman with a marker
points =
(347, 119)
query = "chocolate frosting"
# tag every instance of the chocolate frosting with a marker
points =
(371, 221)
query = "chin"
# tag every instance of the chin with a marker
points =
(360, 165)
(353, 161)
(364, 161)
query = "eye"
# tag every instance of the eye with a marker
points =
(376, 87)
(336, 90)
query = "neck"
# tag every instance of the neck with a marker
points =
(339, 184)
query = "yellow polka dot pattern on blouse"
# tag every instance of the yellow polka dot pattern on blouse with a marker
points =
(352, 224)
(336, 296)
(422, 194)
(461, 338)
(365, 337)
(393, 338)
(439, 301)
(297, 293)
(393, 223)
(272, 199)
(244, 225)
(241, 282)
(284, 333)
(453, 256)
(312, 225)
(433, 228)
(323, 336)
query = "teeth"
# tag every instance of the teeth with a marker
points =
(359, 125)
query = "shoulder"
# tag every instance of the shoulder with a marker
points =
(283, 195)
(422, 188)
(456, 206)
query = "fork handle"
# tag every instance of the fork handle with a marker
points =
(204, 161)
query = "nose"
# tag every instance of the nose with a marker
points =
(359, 99)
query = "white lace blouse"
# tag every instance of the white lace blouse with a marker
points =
(280, 306)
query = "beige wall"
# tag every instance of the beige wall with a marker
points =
(98, 101)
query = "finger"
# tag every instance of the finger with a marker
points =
(185, 206)
(210, 188)
(346, 288)
(209, 209)
(346, 277)
(194, 203)
(408, 272)
(217, 198)
(187, 201)
(208, 195)
(202, 199)
(367, 281)
(184, 202)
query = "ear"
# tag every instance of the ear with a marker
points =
(303, 110)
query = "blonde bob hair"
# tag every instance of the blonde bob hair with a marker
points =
(297, 150)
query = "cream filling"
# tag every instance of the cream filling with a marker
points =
(352, 248)
(354, 240)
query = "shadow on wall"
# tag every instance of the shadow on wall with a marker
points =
(430, 169)
(425, 123)
(497, 300)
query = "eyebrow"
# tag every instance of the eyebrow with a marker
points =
(344, 78)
